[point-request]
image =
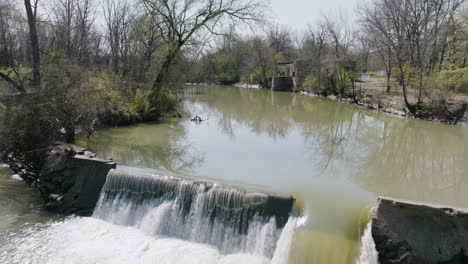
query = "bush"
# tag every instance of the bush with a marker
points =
(455, 80)
(437, 90)
(64, 105)
(311, 83)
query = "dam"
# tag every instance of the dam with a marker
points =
(334, 159)
(232, 220)
(235, 223)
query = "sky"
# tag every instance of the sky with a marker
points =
(296, 14)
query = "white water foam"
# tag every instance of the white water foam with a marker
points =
(155, 220)
(228, 219)
(91, 240)
(163, 218)
(369, 254)
(16, 177)
(284, 242)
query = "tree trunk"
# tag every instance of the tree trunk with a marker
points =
(36, 59)
(389, 70)
(403, 85)
(161, 78)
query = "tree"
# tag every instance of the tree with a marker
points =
(31, 12)
(340, 64)
(412, 33)
(119, 18)
(180, 22)
(313, 48)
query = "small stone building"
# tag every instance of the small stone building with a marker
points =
(290, 75)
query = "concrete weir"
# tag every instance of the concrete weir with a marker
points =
(72, 178)
(410, 232)
(231, 219)
(233, 206)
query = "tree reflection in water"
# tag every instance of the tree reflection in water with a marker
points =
(162, 147)
(335, 158)
(383, 154)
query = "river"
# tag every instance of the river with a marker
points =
(335, 159)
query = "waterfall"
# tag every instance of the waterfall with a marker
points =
(230, 219)
(369, 254)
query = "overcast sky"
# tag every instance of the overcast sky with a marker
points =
(296, 14)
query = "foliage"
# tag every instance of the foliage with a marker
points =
(438, 89)
(455, 80)
(311, 83)
(63, 105)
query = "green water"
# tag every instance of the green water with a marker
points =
(334, 158)
(20, 206)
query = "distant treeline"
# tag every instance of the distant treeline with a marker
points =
(421, 46)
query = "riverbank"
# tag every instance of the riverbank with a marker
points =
(374, 98)
(335, 158)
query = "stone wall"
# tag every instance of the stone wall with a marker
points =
(282, 84)
(408, 232)
(72, 178)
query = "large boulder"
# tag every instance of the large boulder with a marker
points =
(409, 232)
(72, 178)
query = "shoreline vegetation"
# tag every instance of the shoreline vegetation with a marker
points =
(63, 75)
(392, 104)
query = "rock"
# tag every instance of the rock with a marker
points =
(72, 178)
(408, 232)
(197, 120)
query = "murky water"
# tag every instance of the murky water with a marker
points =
(19, 205)
(335, 158)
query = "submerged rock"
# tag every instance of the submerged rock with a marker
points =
(72, 178)
(408, 232)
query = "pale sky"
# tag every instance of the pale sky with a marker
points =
(296, 14)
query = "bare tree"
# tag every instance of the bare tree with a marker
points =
(11, 31)
(182, 21)
(31, 12)
(341, 38)
(313, 48)
(119, 18)
(412, 33)
(280, 40)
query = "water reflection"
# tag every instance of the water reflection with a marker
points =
(261, 111)
(335, 158)
(385, 155)
(162, 147)
(417, 160)
(19, 205)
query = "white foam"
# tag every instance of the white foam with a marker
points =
(284, 242)
(215, 215)
(16, 177)
(90, 240)
(369, 254)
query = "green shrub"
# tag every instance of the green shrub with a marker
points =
(455, 80)
(311, 83)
